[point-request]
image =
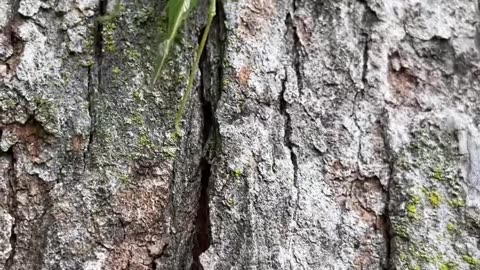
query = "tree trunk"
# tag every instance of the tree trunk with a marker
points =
(334, 134)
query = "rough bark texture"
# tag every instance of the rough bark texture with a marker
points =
(321, 135)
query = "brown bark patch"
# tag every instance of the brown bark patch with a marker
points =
(32, 135)
(31, 203)
(402, 81)
(256, 15)
(404, 84)
(244, 76)
(140, 204)
(367, 200)
(77, 144)
(364, 259)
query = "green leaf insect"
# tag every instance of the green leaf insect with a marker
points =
(177, 12)
(181, 110)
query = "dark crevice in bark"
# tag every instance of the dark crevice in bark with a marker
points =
(210, 86)
(288, 131)
(201, 236)
(99, 36)
(388, 229)
(290, 145)
(371, 14)
(90, 113)
(12, 208)
(95, 74)
(297, 46)
(296, 49)
(365, 61)
(477, 29)
(202, 220)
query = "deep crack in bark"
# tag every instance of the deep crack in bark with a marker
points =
(387, 230)
(90, 113)
(98, 56)
(477, 28)
(209, 96)
(202, 220)
(296, 47)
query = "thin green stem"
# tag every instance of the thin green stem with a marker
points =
(193, 72)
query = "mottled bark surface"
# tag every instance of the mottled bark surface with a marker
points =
(320, 135)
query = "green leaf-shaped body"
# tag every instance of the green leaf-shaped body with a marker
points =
(191, 79)
(177, 12)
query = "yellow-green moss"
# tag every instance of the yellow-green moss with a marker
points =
(137, 118)
(470, 260)
(402, 232)
(456, 203)
(402, 162)
(108, 33)
(438, 174)
(138, 95)
(145, 141)
(169, 153)
(425, 257)
(116, 70)
(46, 110)
(133, 54)
(124, 179)
(448, 266)
(230, 202)
(89, 48)
(412, 207)
(237, 173)
(451, 228)
(435, 199)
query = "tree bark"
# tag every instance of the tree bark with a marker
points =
(320, 135)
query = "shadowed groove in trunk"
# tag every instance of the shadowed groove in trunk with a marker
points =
(210, 92)
(95, 77)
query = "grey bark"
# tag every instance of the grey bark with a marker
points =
(320, 135)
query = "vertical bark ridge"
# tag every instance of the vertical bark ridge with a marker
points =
(12, 208)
